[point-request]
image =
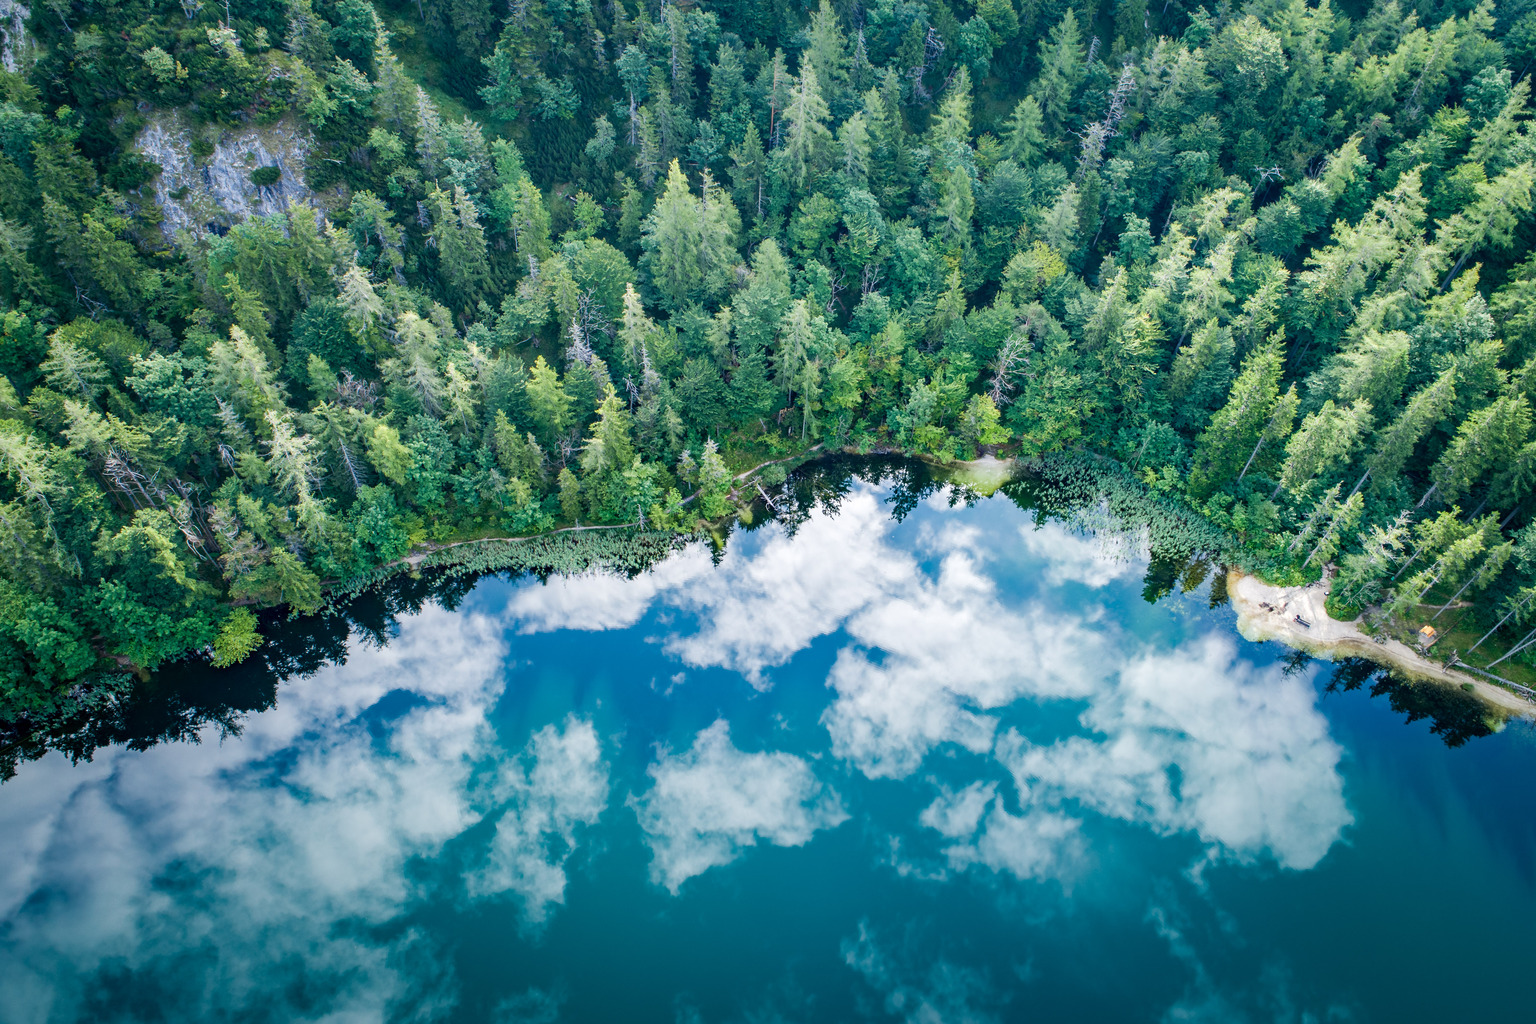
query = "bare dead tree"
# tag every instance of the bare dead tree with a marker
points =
(933, 49)
(580, 350)
(592, 316)
(1096, 135)
(116, 471)
(349, 462)
(870, 278)
(1013, 354)
(837, 288)
(354, 392)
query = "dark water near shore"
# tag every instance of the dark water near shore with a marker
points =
(952, 768)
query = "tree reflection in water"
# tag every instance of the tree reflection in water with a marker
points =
(177, 703)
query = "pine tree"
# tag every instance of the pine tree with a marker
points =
(751, 396)
(529, 220)
(1396, 442)
(729, 108)
(1060, 227)
(672, 243)
(609, 449)
(956, 206)
(1361, 573)
(953, 123)
(1201, 373)
(517, 454)
(358, 298)
(600, 147)
(570, 494)
(1225, 445)
(714, 483)
(1023, 140)
(1488, 223)
(431, 142)
(1374, 367)
(1342, 518)
(72, 370)
(1493, 143)
(761, 305)
(807, 140)
(548, 402)
(291, 458)
(826, 53)
(243, 375)
(797, 345)
(853, 141)
(1324, 441)
(1061, 70)
(689, 243)
(775, 82)
(1130, 23)
(1487, 438)
(749, 163)
(460, 242)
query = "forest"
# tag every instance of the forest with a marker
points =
(560, 263)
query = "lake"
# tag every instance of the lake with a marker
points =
(943, 765)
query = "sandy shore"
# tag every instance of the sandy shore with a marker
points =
(1266, 612)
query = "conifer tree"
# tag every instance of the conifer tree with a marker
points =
(689, 243)
(548, 402)
(460, 242)
(1395, 442)
(827, 53)
(807, 140)
(1324, 441)
(609, 449)
(1061, 70)
(1487, 438)
(1225, 444)
(1023, 140)
(1490, 221)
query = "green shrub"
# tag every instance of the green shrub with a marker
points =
(264, 176)
(237, 638)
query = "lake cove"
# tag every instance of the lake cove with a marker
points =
(896, 753)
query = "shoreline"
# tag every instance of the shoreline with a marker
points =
(418, 555)
(1266, 612)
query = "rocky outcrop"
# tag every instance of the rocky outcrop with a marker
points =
(15, 44)
(210, 194)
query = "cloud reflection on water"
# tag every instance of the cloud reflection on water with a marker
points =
(709, 803)
(1256, 769)
(563, 788)
(934, 655)
(244, 873)
(288, 845)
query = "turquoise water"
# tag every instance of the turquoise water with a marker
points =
(953, 768)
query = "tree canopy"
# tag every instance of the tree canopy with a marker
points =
(1273, 257)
